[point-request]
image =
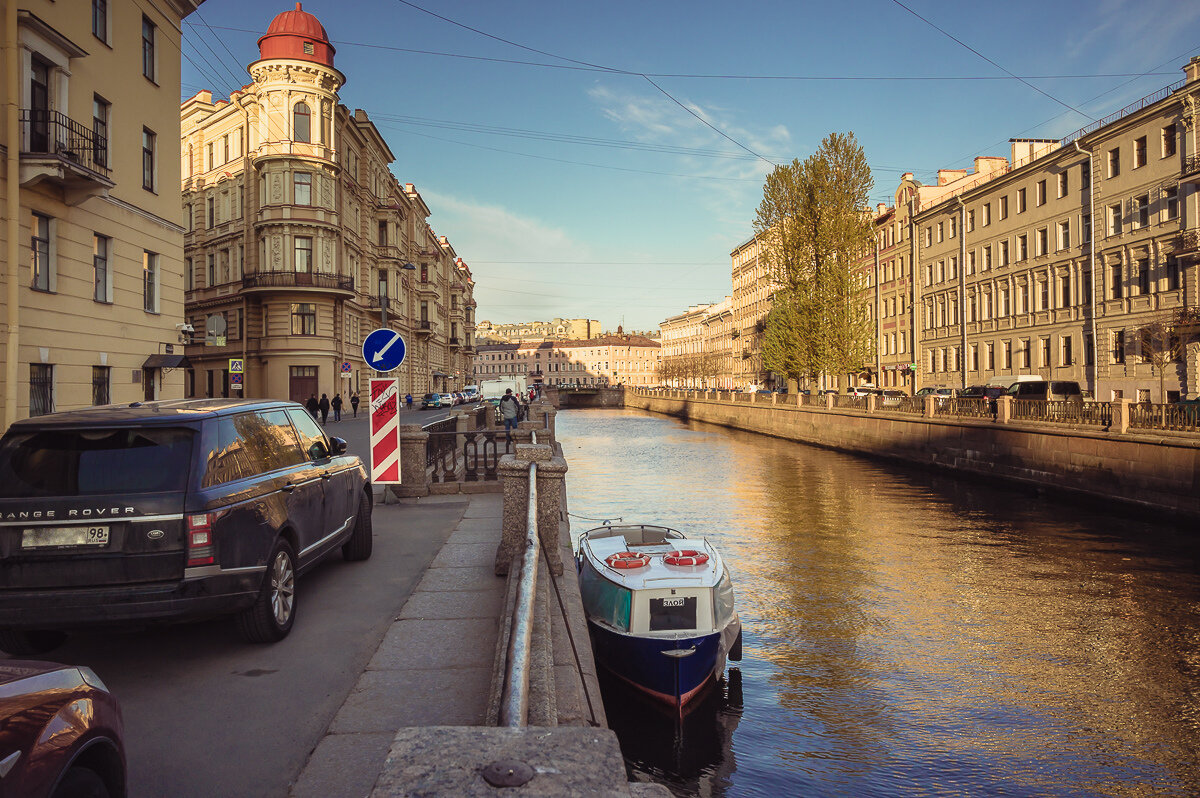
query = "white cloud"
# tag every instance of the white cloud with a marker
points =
(494, 233)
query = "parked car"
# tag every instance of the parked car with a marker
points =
(1048, 390)
(61, 733)
(890, 397)
(447, 400)
(170, 511)
(860, 390)
(431, 400)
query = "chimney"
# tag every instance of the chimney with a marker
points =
(1192, 69)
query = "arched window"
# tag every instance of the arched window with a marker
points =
(301, 123)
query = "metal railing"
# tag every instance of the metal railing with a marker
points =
(1177, 418)
(850, 401)
(514, 702)
(968, 407)
(282, 279)
(46, 132)
(1063, 412)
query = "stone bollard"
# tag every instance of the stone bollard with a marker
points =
(514, 478)
(1003, 409)
(774, 398)
(930, 406)
(829, 401)
(872, 403)
(413, 480)
(1120, 415)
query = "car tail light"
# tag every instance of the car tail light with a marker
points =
(201, 550)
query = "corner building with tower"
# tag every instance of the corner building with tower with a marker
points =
(299, 240)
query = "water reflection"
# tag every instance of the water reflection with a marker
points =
(912, 634)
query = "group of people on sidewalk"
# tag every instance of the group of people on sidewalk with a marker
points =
(319, 408)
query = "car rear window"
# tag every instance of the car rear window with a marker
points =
(94, 462)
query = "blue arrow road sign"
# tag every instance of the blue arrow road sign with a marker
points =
(383, 350)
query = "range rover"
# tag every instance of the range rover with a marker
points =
(168, 511)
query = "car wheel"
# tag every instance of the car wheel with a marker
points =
(28, 643)
(81, 783)
(358, 547)
(271, 617)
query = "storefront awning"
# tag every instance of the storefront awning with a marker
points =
(440, 374)
(166, 362)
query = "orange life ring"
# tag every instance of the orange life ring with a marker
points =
(685, 557)
(627, 559)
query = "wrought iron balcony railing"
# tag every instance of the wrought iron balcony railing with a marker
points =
(281, 279)
(45, 132)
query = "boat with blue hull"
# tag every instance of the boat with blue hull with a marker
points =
(659, 607)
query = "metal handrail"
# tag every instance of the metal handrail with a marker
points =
(514, 705)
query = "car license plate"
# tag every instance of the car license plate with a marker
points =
(58, 537)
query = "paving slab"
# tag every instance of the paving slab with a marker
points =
(435, 604)
(344, 764)
(460, 555)
(385, 701)
(476, 578)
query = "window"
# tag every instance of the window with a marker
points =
(1025, 353)
(304, 319)
(302, 122)
(41, 389)
(1141, 211)
(970, 221)
(225, 142)
(1007, 361)
(1002, 209)
(1043, 293)
(100, 19)
(212, 269)
(148, 59)
(1139, 152)
(39, 252)
(1143, 276)
(303, 249)
(383, 234)
(987, 258)
(1023, 298)
(1118, 348)
(940, 232)
(987, 213)
(100, 113)
(1003, 253)
(1116, 282)
(1085, 232)
(212, 212)
(1022, 247)
(1168, 141)
(1045, 353)
(1020, 200)
(100, 383)
(148, 145)
(1085, 174)
(1041, 192)
(1064, 290)
(1004, 309)
(989, 350)
(971, 262)
(1064, 235)
(1063, 185)
(1043, 241)
(1172, 273)
(953, 226)
(928, 236)
(1114, 219)
(1114, 162)
(1064, 351)
(1171, 203)
(100, 248)
(303, 186)
(189, 279)
(150, 281)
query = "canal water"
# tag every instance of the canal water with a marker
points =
(905, 633)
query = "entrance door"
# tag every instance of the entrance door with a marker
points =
(302, 383)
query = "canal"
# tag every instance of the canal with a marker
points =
(906, 633)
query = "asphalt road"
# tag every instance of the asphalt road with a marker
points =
(209, 715)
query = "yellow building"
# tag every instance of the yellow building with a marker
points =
(300, 241)
(93, 294)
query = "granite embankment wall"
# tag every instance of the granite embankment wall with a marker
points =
(1156, 472)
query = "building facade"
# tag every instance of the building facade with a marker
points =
(607, 360)
(93, 294)
(300, 241)
(685, 358)
(1058, 262)
(753, 295)
(555, 329)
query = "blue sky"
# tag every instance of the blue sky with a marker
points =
(601, 160)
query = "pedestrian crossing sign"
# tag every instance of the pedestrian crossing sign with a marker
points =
(236, 365)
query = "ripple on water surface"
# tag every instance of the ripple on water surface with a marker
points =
(905, 633)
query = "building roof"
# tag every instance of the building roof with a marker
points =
(299, 35)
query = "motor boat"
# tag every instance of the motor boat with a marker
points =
(659, 607)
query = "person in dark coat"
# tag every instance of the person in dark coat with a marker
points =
(336, 404)
(313, 406)
(354, 404)
(324, 407)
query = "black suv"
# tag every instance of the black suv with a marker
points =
(170, 511)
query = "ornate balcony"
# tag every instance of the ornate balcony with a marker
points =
(1191, 170)
(58, 149)
(423, 327)
(1189, 242)
(427, 287)
(455, 342)
(262, 281)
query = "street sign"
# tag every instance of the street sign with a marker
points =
(385, 432)
(384, 350)
(236, 365)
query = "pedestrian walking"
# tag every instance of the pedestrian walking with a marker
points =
(354, 404)
(323, 405)
(408, 400)
(336, 404)
(312, 406)
(510, 411)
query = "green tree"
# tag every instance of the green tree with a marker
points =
(814, 225)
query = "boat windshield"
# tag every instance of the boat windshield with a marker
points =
(603, 600)
(723, 600)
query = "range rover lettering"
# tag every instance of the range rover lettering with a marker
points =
(169, 511)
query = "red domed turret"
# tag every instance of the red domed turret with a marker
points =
(299, 35)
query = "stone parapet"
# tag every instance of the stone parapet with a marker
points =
(514, 479)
